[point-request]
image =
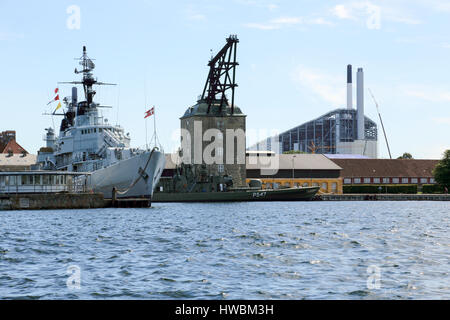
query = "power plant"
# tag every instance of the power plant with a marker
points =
(340, 131)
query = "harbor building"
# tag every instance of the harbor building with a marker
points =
(340, 131)
(386, 171)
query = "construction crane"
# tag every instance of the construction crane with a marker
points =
(381, 121)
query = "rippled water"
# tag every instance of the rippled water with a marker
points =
(289, 250)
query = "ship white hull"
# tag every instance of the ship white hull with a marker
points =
(132, 178)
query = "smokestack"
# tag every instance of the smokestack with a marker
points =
(360, 103)
(74, 97)
(349, 87)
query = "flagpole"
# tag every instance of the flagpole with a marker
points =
(154, 123)
(145, 107)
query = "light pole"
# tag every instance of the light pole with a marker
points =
(293, 176)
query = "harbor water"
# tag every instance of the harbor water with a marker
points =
(272, 250)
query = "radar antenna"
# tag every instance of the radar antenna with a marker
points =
(88, 78)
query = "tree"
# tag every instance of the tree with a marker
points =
(442, 170)
(406, 155)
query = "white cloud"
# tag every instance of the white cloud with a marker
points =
(366, 10)
(427, 93)
(10, 35)
(281, 22)
(342, 12)
(328, 87)
(442, 120)
(287, 20)
(261, 26)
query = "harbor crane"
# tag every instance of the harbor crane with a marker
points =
(381, 121)
(222, 76)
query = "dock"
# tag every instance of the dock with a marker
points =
(383, 197)
(52, 201)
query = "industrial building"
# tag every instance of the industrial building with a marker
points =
(340, 131)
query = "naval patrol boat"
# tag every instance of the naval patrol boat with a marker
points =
(88, 143)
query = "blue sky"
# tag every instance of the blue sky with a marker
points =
(292, 55)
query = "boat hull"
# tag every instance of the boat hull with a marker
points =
(135, 177)
(290, 194)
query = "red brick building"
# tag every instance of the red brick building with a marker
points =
(386, 171)
(8, 143)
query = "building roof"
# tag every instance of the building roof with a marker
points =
(201, 108)
(301, 162)
(386, 167)
(16, 160)
(346, 156)
(13, 146)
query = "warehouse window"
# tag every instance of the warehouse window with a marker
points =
(376, 180)
(366, 180)
(405, 180)
(423, 180)
(414, 180)
(357, 180)
(334, 187)
(431, 180)
(385, 180)
(347, 181)
(395, 180)
(306, 184)
(324, 186)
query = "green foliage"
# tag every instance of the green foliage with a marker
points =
(406, 155)
(432, 188)
(442, 171)
(405, 188)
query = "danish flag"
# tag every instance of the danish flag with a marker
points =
(149, 113)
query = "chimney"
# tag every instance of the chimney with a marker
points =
(360, 103)
(349, 87)
(74, 97)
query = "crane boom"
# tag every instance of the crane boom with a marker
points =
(381, 121)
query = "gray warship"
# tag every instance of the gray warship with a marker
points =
(88, 143)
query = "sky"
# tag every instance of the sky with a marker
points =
(292, 63)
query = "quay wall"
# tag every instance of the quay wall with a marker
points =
(51, 201)
(384, 197)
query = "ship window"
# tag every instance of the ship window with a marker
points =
(37, 179)
(45, 180)
(100, 130)
(95, 130)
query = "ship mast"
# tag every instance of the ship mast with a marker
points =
(88, 79)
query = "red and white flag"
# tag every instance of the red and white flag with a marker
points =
(149, 112)
(55, 98)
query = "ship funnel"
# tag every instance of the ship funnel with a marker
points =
(360, 103)
(349, 87)
(74, 97)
